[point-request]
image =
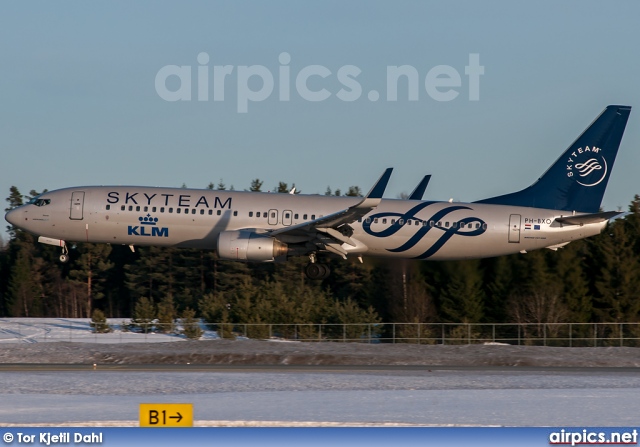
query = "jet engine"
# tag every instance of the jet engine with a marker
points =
(243, 245)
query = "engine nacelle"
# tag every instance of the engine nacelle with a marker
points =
(245, 245)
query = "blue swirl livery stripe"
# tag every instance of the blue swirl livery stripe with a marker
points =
(448, 232)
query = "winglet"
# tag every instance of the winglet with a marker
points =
(378, 189)
(420, 189)
(373, 198)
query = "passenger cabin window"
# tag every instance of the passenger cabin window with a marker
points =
(313, 217)
(138, 208)
(295, 216)
(251, 214)
(235, 213)
(219, 212)
(122, 208)
(178, 210)
(108, 207)
(210, 212)
(153, 210)
(202, 211)
(193, 211)
(384, 221)
(171, 210)
(304, 217)
(130, 207)
(146, 208)
(162, 209)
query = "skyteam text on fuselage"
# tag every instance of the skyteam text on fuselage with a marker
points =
(562, 206)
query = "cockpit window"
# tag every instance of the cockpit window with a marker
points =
(39, 202)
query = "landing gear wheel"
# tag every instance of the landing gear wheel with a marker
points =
(64, 257)
(317, 271)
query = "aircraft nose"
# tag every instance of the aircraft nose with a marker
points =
(12, 217)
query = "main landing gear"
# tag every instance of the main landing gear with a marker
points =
(313, 270)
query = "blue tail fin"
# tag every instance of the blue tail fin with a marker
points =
(578, 179)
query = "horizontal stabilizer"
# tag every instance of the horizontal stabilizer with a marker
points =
(584, 219)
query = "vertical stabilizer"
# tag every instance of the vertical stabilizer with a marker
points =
(578, 179)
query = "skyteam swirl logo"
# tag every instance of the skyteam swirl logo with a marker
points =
(467, 226)
(587, 166)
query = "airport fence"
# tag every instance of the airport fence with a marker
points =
(527, 334)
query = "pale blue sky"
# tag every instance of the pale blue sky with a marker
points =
(78, 103)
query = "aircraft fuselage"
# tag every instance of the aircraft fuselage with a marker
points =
(178, 217)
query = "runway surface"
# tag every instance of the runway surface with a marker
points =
(311, 395)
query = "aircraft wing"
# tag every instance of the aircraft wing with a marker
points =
(336, 225)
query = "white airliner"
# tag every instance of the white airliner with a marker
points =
(560, 207)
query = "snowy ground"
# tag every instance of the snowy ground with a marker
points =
(475, 385)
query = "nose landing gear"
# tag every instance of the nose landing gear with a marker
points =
(64, 257)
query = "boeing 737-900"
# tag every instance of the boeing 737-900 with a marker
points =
(560, 207)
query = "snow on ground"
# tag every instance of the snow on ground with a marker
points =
(41, 330)
(484, 385)
(23, 341)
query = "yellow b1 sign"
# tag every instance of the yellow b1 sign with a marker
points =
(166, 415)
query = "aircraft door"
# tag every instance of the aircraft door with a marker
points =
(273, 217)
(77, 205)
(514, 228)
(287, 216)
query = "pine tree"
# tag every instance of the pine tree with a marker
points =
(144, 314)
(190, 325)
(256, 185)
(166, 315)
(25, 287)
(15, 200)
(462, 299)
(616, 270)
(99, 322)
(354, 191)
(90, 269)
(499, 282)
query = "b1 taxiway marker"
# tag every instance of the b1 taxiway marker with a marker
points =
(166, 415)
